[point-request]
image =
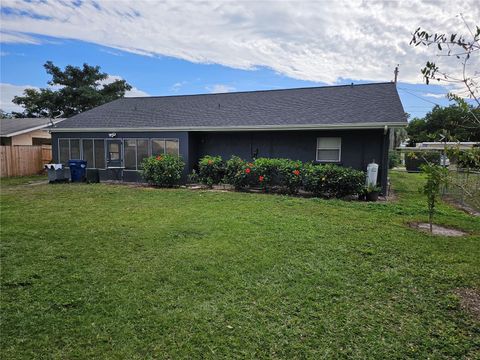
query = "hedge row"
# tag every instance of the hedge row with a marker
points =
(282, 175)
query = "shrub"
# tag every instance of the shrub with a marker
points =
(393, 159)
(211, 170)
(290, 174)
(235, 173)
(465, 158)
(162, 170)
(264, 173)
(332, 180)
(414, 159)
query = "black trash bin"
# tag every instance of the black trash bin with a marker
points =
(77, 170)
(93, 176)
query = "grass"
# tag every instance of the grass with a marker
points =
(111, 271)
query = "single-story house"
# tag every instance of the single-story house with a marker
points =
(25, 131)
(347, 125)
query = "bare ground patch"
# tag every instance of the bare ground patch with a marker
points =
(437, 229)
(470, 301)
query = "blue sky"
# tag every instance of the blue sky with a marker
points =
(257, 50)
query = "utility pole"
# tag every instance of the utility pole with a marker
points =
(396, 73)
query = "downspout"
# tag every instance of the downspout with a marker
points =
(384, 164)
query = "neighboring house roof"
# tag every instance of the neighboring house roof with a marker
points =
(346, 106)
(18, 126)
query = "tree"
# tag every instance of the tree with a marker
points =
(436, 177)
(5, 115)
(73, 90)
(463, 48)
(451, 123)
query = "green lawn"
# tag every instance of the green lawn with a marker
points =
(112, 271)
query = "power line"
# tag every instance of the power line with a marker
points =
(431, 102)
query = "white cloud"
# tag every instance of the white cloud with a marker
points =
(134, 92)
(177, 86)
(323, 41)
(18, 38)
(7, 92)
(435, 96)
(220, 88)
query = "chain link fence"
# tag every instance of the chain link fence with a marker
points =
(464, 187)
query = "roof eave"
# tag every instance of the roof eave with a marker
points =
(350, 126)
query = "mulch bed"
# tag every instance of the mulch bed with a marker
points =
(437, 229)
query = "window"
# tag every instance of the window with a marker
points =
(130, 154)
(165, 146)
(158, 147)
(171, 146)
(113, 151)
(99, 149)
(87, 147)
(63, 151)
(74, 149)
(329, 149)
(142, 151)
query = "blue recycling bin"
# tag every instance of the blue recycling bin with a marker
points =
(78, 169)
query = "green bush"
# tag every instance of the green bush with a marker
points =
(331, 181)
(235, 172)
(393, 159)
(264, 173)
(414, 159)
(290, 175)
(465, 158)
(211, 170)
(162, 170)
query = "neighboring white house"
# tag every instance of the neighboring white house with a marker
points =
(26, 131)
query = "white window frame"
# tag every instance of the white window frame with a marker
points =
(339, 148)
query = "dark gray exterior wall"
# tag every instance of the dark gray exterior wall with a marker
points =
(359, 147)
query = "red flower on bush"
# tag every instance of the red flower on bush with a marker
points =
(159, 157)
(210, 162)
(247, 170)
(261, 178)
(296, 172)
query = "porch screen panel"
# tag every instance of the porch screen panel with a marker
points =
(99, 148)
(63, 151)
(171, 146)
(130, 154)
(158, 147)
(87, 147)
(142, 151)
(74, 149)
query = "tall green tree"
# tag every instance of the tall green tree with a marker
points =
(453, 123)
(72, 91)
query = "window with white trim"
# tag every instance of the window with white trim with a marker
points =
(329, 149)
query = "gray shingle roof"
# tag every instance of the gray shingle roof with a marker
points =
(22, 125)
(330, 105)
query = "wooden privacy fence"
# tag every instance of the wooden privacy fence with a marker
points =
(24, 159)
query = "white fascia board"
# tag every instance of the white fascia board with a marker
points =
(239, 128)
